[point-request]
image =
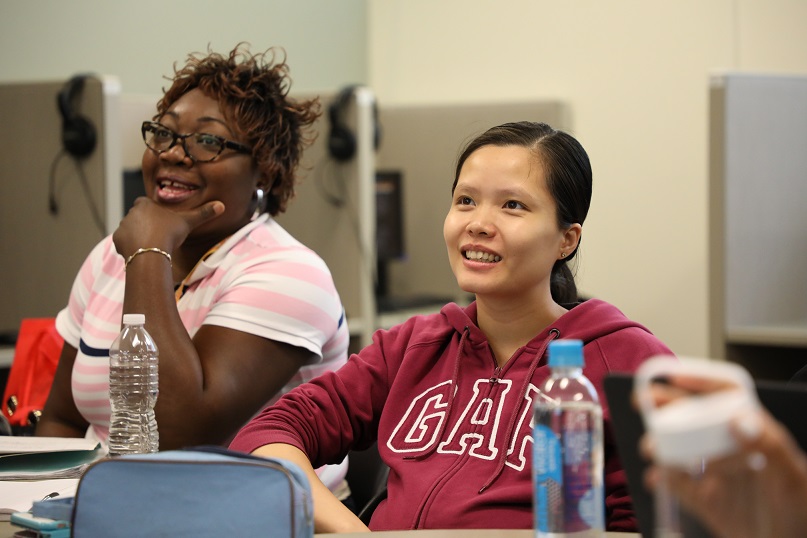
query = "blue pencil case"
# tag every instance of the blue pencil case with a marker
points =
(60, 508)
(201, 492)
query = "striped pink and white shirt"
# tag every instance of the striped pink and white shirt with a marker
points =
(261, 281)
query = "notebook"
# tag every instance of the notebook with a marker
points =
(785, 401)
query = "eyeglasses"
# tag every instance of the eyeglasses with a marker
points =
(200, 147)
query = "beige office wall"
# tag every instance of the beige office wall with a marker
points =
(632, 74)
(139, 41)
(635, 78)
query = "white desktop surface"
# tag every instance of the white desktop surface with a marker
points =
(464, 533)
(7, 531)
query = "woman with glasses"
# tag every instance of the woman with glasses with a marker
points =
(240, 310)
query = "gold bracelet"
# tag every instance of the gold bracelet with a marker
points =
(151, 249)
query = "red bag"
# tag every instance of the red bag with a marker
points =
(36, 355)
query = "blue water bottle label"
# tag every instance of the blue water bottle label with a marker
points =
(577, 470)
(548, 471)
(582, 497)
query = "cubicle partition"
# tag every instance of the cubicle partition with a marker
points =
(758, 224)
(53, 207)
(421, 144)
(42, 251)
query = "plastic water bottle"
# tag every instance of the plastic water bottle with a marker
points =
(133, 386)
(568, 449)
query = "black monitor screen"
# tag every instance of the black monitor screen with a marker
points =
(389, 216)
(132, 187)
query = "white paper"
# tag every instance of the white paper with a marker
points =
(20, 496)
(43, 458)
(20, 444)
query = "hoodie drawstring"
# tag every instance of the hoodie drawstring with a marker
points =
(452, 388)
(553, 334)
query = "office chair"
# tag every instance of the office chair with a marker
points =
(367, 478)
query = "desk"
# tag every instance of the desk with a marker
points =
(463, 533)
(7, 531)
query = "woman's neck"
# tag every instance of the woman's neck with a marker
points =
(188, 254)
(509, 325)
(194, 248)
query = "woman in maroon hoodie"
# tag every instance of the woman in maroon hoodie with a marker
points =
(448, 396)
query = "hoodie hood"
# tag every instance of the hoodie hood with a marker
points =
(588, 321)
(594, 319)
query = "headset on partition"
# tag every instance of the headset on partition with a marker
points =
(79, 140)
(78, 133)
(341, 139)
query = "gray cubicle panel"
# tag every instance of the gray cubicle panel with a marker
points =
(758, 224)
(322, 215)
(40, 252)
(424, 141)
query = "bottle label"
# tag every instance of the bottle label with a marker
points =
(548, 471)
(568, 497)
(582, 492)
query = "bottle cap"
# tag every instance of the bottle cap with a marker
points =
(134, 319)
(566, 353)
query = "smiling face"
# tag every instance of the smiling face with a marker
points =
(174, 181)
(502, 231)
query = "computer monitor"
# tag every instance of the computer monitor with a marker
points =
(132, 187)
(390, 244)
(391, 247)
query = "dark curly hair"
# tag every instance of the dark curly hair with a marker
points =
(253, 91)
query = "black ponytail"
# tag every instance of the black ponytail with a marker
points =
(562, 285)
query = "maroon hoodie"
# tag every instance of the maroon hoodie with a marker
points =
(454, 428)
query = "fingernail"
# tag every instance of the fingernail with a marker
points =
(647, 446)
(757, 461)
(749, 426)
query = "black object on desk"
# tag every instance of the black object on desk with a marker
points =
(784, 401)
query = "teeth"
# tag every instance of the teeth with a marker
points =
(174, 185)
(481, 256)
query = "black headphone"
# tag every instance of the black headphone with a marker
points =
(341, 140)
(78, 133)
